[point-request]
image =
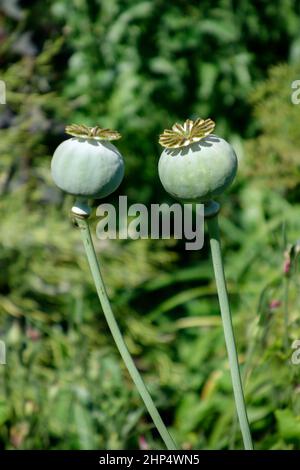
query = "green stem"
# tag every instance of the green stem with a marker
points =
(286, 282)
(213, 229)
(115, 331)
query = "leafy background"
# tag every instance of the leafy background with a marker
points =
(138, 66)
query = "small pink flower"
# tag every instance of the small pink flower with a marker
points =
(143, 443)
(18, 433)
(287, 261)
(274, 304)
(33, 334)
(286, 266)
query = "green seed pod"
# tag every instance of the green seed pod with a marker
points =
(87, 165)
(195, 166)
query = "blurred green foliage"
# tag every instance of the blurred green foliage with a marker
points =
(274, 155)
(138, 66)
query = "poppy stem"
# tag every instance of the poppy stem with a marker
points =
(215, 245)
(81, 212)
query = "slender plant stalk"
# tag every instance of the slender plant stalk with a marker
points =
(286, 283)
(213, 229)
(115, 331)
(286, 288)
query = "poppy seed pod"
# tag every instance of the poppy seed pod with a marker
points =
(88, 165)
(195, 165)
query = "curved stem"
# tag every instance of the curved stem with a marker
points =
(213, 229)
(115, 331)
